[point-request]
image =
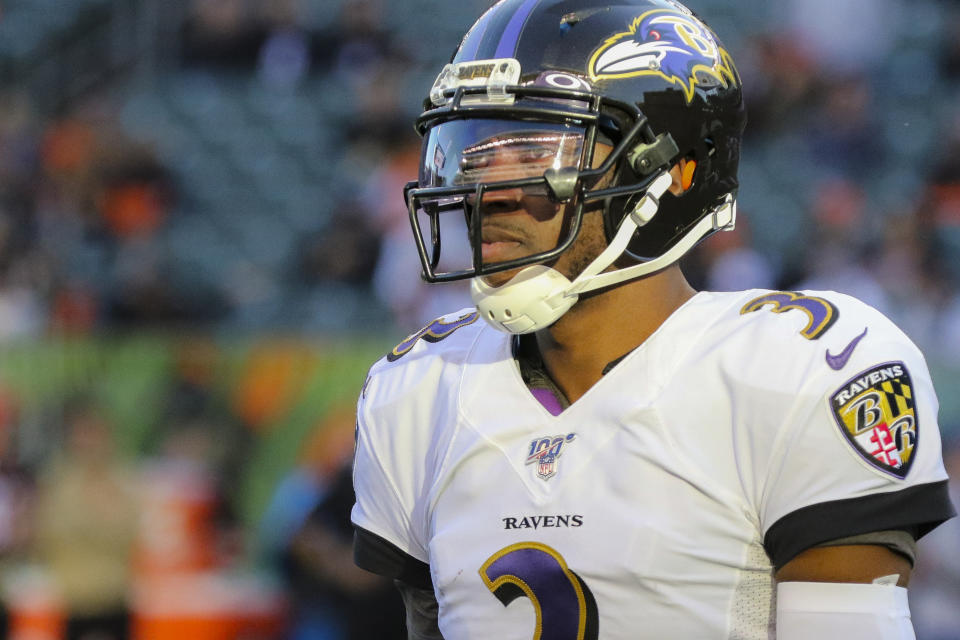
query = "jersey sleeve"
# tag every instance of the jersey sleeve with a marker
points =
(858, 452)
(386, 541)
(404, 408)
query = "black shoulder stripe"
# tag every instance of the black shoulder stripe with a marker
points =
(373, 553)
(916, 510)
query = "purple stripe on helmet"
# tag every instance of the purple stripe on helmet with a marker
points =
(471, 42)
(508, 41)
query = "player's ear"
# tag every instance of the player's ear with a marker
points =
(682, 174)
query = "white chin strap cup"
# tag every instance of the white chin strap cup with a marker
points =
(533, 299)
(538, 296)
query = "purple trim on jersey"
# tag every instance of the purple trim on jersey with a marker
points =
(548, 399)
(508, 41)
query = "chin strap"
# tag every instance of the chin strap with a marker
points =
(721, 218)
(538, 296)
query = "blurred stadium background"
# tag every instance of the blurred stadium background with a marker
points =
(203, 246)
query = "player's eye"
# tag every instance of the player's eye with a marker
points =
(474, 162)
(530, 154)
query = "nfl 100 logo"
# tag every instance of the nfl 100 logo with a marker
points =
(544, 453)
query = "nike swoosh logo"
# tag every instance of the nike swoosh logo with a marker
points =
(839, 361)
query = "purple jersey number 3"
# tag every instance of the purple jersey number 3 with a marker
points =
(564, 606)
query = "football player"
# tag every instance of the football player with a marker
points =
(597, 450)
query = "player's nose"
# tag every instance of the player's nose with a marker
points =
(498, 201)
(502, 201)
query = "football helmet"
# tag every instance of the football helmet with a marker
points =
(560, 107)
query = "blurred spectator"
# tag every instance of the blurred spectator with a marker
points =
(191, 393)
(320, 570)
(949, 46)
(68, 153)
(313, 615)
(188, 527)
(87, 519)
(843, 134)
(102, 205)
(284, 59)
(74, 309)
(199, 447)
(132, 195)
(344, 251)
(18, 141)
(190, 580)
(134, 192)
(219, 34)
(780, 83)
(395, 280)
(22, 284)
(359, 43)
(380, 120)
(16, 502)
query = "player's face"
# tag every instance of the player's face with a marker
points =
(520, 222)
(484, 160)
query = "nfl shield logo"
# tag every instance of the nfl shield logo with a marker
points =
(544, 453)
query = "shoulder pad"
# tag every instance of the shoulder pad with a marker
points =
(424, 354)
(439, 329)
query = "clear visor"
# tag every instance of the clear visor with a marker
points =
(490, 172)
(463, 152)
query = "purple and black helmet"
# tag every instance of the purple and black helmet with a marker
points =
(645, 77)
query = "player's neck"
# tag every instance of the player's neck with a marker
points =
(606, 326)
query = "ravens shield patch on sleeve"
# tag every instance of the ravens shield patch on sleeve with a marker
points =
(877, 416)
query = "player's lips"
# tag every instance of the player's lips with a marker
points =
(498, 245)
(498, 251)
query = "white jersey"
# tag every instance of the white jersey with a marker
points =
(749, 427)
